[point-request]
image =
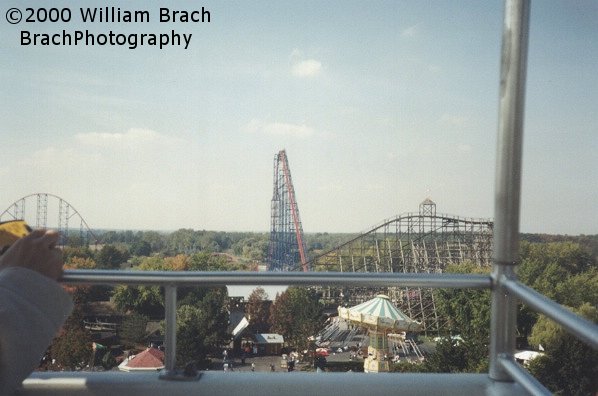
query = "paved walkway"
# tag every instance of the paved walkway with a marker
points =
(262, 364)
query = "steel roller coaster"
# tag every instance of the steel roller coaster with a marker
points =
(44, 207)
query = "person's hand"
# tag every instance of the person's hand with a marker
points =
(36, 251)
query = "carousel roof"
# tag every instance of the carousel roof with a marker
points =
(379, 312)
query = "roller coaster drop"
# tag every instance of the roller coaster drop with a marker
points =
(414, 242)
(287, 245)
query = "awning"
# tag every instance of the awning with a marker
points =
(268, 338)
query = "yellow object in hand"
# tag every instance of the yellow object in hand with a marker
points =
(10, 231)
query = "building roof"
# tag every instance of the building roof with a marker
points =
(428, 201)
(150, 359)
(268, 338)
(235, 317)
(238, 330)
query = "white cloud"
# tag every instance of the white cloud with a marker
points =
(280, 129)
(133, 135)
(307, 68)
(304, 68)
(410, 31)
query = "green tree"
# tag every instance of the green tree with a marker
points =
(191, 334)
(467, 310)
(568, 367)
(562, 271)
(156, 240)
(72, 347)
(580, 288)
(545, 265)
(110, 257)
(456, 356)
(205, 261)
(78, 262)
(141, 248)
(297, 315)
(468, 314)
(132, 330)
(144, 300)
(182, 241)
(257, 311)
(215, 306)
(69, 252)
(450, 356)
(202, 329)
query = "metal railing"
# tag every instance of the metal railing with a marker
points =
(171, 281)
(503, 281)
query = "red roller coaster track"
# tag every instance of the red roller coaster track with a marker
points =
(294, 209)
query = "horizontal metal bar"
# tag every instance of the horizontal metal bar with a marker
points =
(211, 279)
(247, 383)
(523, 378)
(583, 329)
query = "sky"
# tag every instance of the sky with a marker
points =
(378, 104)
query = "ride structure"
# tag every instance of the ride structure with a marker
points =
(45, 204)
(422, 242)
(286, 249)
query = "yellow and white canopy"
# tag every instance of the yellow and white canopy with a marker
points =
(379, 313)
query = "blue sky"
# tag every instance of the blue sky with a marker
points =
(379, 105)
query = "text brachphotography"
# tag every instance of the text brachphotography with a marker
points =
(88, 38)
(155, 33)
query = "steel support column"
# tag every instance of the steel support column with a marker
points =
(508, 183)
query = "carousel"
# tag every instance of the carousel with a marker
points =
(381, 318)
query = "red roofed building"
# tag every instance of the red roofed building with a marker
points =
(151, 359)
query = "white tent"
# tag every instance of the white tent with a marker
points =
(380, 316)
(379, 313)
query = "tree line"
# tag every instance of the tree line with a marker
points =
(564, 268)
(564, 271)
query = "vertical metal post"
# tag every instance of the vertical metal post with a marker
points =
(508, 181)
(170, 292)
